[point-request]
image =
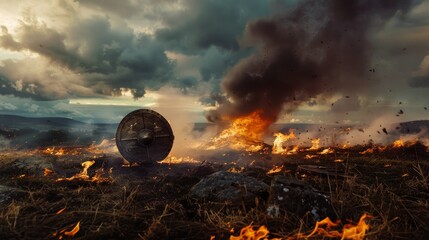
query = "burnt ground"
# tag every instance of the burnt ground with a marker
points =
(152, 201)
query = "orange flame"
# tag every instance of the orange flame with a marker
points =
(244, 133)
(52, 151)
(73, 231)
(280, 139)
(66, 233)
(315, 144)
(294, 150)
(323, 229)
(349, 231)
(345, 146)
(326, 151)
(60, 211)
(236, 169)
(372, 150)
(275, 169)
(83, 175)
(308, 156)
(248, 233)
(368, 151)
(47, 172)
(356, 232)
(179, 160)
(398, 143)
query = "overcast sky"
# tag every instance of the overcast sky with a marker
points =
(96, 60)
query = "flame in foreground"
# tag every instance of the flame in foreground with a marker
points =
(350, 231)
(244, 133)
(83, 175)
(280, 139)
(323, 229)
(64, 233)
(249, 233)
(275, 169)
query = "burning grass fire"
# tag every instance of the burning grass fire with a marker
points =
(244, 133)
(323, 229)
(88, 192)
(285, 189)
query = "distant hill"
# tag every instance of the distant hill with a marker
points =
(27, 132)
(19, 122)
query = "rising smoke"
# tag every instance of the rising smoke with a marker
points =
(320, 48)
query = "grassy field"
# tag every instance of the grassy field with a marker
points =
(152, 202)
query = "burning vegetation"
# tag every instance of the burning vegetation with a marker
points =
(323, 229)
(244, 133)
(88, 192)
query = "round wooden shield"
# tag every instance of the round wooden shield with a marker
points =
(144, 136)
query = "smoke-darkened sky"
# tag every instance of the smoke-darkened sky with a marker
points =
(299, 61)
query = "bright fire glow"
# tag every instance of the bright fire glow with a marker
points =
(294, 150)
(327, 151)
(179, 160)
(64, 233)
(308, 156)
(275, 169)
(47, 172)
(73, 231)
(53, 151)
(83, 175)
(236, 169)
(349, 231)
(249, 233)
(60, 211)
(315, 144)
(279, 141)
(398, 143)
(244, 133)
(323, 229)
(70, 151)
(372, 150)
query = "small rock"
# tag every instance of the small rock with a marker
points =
(298, 197)
(229, 187)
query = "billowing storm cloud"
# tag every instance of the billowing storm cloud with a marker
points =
(322, 47)
(241, 55)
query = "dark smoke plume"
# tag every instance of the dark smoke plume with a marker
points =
(319, 48)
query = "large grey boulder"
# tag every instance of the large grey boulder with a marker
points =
(298, 197)
(229, 187)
